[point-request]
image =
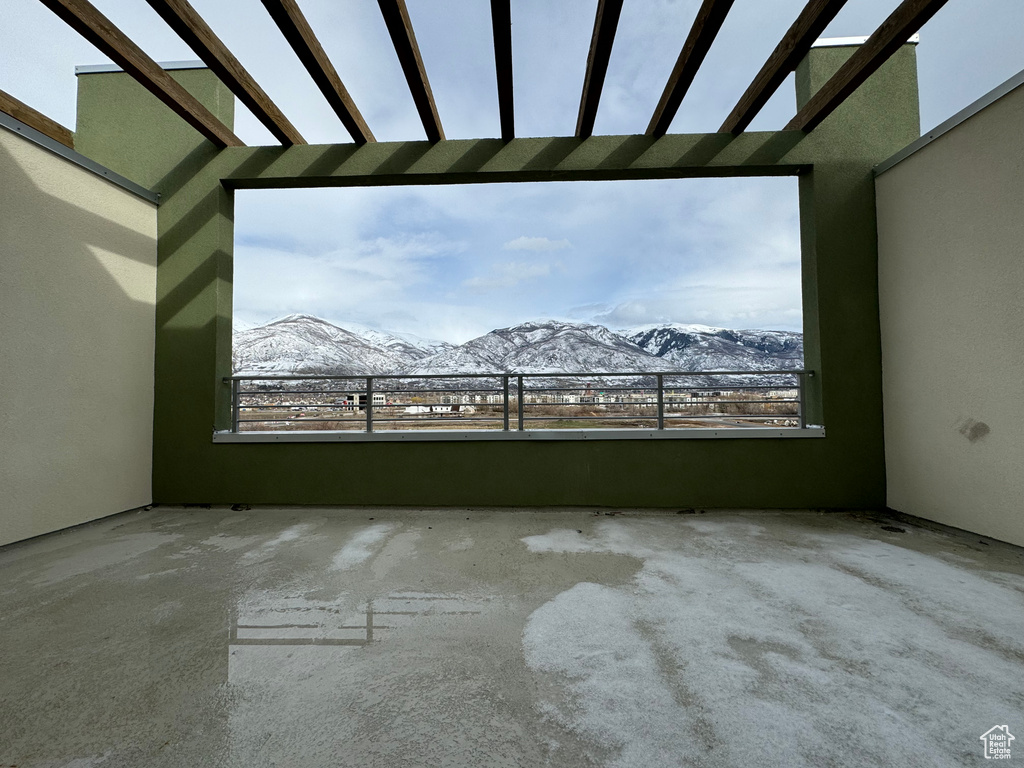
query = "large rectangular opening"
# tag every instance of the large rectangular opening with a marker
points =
(607, 305)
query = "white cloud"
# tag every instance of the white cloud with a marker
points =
(507, 275)
(353, 279)
(739, 293)
(535, 244)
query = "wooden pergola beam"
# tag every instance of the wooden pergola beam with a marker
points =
(795, 44)
(894, 32)
(396, 16)
(605, 23)
(36, 120)
(705, 29)
(501, 23)
(83, 17)
(190, 27)
(296, 30)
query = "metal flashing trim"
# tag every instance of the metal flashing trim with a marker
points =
(413, 436)
(44, 141)
(962, 116)
(92, 69)
(840, 42)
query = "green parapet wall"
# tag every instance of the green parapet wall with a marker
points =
(128, 130)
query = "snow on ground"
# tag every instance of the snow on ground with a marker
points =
(361, 546)
(74, 564)
(290, 534)
(618, 696)
(843, 651)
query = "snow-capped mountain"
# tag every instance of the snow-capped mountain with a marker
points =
(407, 346)
(542, 346)
(703, 348)
(306, 344)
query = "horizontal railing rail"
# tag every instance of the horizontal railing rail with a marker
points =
(588, 374)
(664, 400)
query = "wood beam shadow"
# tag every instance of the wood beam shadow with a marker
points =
(199, 214)
(403, 158)
(477, 156)
(325, 169)
(333, 157)
(630, 149)
(131, 243)
(705, 150)
(258, 161)
(173, 300)
(775, 148)
(185, 170)
(551, 154)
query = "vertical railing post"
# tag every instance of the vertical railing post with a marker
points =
(521, 398)
(661, 401)
(504, 386)
(236, 405)
(801, 417)
(369, 404)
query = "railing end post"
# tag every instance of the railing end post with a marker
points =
(801, 394)
(661, 401)
(236, 404)
(369, 404)
(520, 400)
(505, 415)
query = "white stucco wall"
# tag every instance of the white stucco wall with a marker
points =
(951, 283)
(77, 302)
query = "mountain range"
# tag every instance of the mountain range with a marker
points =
(303, 344)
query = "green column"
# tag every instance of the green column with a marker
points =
(126, 128)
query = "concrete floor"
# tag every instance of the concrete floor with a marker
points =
(352, 637)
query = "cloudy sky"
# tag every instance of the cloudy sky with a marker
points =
(455, 262)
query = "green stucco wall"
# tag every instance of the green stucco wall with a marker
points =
(128, 130)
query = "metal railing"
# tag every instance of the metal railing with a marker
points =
(519, 401)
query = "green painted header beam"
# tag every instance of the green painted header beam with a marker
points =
(476, 161)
